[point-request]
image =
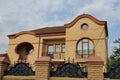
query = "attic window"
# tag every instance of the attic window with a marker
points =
(84, 26)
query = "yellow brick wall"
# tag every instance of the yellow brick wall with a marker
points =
(42, 71)
(73, 34)
(3, 67)
(94, 32)
(95, 72)
(1, 70)
(66, 78)
(13, 43)
(19, 78)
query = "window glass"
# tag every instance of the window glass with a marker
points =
(91, 47)
(63, 48)
(50, 49)
(85, 50)
(84, 26)
(79, 48)
(57, 48)
(85, 40)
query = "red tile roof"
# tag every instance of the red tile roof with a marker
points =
(46, 30)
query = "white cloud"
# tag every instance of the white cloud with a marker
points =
(103, 9)
(1, 19)
(19, 15)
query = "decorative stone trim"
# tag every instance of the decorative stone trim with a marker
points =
(44, 59)
(95, 60)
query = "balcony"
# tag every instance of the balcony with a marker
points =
(55, 55)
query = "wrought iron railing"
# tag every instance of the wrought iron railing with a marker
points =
(54, 55)
(84, 53)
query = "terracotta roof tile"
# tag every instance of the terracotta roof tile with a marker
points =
(95, 60)
(4, 58)
(43, 59)
(2, 55)
(48, 30)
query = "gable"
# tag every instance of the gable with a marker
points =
(87, 17)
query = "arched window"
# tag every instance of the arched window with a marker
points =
(85, 48)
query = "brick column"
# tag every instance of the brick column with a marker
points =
(95, 68)
(4, 62)
(42, 68)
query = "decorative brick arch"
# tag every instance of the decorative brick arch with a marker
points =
(85, 16)
(21, 33)
(89, 17)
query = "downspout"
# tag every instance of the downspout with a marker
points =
(38, 47)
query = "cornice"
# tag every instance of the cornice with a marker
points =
(85, 16)
(21, 33)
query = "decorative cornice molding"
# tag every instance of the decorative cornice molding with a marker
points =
(85, 16)
(20, 33)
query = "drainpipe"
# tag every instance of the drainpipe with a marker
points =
(38, 47)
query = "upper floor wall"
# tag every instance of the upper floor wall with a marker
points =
(95, 28)
(82, 27)
(86, 27)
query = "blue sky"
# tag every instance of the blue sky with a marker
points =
(21, 15)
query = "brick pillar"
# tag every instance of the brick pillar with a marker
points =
(4, 62)
(42, 68)
(95, 68)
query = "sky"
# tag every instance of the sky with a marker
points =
(22, 15)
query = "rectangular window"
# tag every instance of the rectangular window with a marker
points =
(57, 48)
(50, 49)
(63, 48)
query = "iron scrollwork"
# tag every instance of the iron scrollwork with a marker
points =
(20, 69)
(68, 70)
(114, 73)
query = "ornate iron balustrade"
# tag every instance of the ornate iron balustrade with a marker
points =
(68, 70)
(84, 53)
(20, 69)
